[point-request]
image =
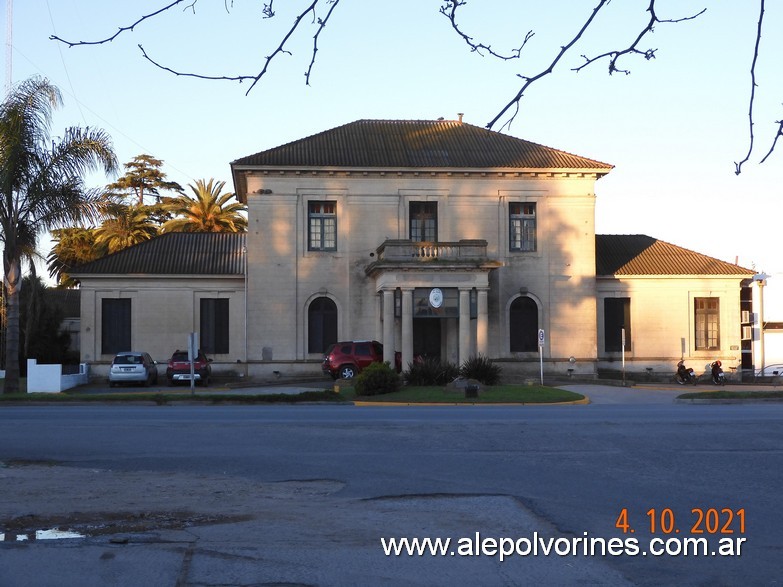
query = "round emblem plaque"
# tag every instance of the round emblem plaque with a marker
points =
(436, 297)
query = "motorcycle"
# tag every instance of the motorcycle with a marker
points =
(685, 374)
(718, 377)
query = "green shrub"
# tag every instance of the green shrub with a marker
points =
(377, 379)
(482, 369)
(431, 371)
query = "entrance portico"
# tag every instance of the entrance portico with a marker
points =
(422, 282)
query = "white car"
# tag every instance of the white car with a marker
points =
(133, 367)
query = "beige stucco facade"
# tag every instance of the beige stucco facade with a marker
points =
(372, 208)
(664, 323)
(164, 310)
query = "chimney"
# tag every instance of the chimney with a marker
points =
(459, 116)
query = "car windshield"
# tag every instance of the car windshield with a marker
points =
(127, 360)
(179, 357)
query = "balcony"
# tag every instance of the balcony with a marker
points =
(406, 254)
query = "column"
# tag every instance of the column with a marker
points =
(388, 326)
(482, 324)
(464, 325)
(407, 327)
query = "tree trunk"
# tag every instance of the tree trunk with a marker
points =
(13, 272)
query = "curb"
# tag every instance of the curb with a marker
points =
(364, 404)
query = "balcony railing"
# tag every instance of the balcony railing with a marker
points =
(410, 251)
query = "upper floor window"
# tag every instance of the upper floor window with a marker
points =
(322, 226)
(521, 226)
(707, 318)
(424, 221)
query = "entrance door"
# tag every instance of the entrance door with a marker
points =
(426, 337)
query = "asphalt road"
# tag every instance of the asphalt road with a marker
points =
(302, 495)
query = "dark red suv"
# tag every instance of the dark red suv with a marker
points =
(178, 368)
(345, 360)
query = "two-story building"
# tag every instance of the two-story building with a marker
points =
(436, 238)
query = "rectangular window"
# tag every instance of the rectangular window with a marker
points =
(424, 221)
(322, 226)
(617, 315)
(521, 226)
(214, 326)
(115, 325)
(707, 318)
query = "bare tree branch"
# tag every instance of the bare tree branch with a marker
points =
(632, 49)
(267, 11)
(125, 28)
(530, 80)
(753, 84)
(449, 10)
(321, 25)
(775, 142)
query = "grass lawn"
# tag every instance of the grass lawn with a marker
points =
(518, 394)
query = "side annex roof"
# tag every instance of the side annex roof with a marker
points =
(174, 253)
(199, 254)
(639, 254)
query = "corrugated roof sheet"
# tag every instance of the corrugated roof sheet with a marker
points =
(175, 253)
(638, 254)
(224, 254)
(417, 144)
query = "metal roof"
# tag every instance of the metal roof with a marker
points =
(417, 144)
(638, 254)
(175, 253)
(216, 253)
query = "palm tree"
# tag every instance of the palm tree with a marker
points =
(41, 186)
(209, 211)
(74, 245)
(124, 226)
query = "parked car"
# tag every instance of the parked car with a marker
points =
(345, 360)
(133, 367)
(178, 368)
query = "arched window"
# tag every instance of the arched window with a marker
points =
(523, 325)
(321, 325)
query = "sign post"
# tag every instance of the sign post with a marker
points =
(541, 341)
(622, 335)
(192, 352)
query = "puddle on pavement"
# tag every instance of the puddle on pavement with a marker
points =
(50, 534)
(27, 528)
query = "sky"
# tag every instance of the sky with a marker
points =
(673, 128)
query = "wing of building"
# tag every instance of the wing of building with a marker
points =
(437, 238)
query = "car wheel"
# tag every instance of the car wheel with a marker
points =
(347, 372)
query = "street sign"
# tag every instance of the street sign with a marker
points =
(541, 337)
